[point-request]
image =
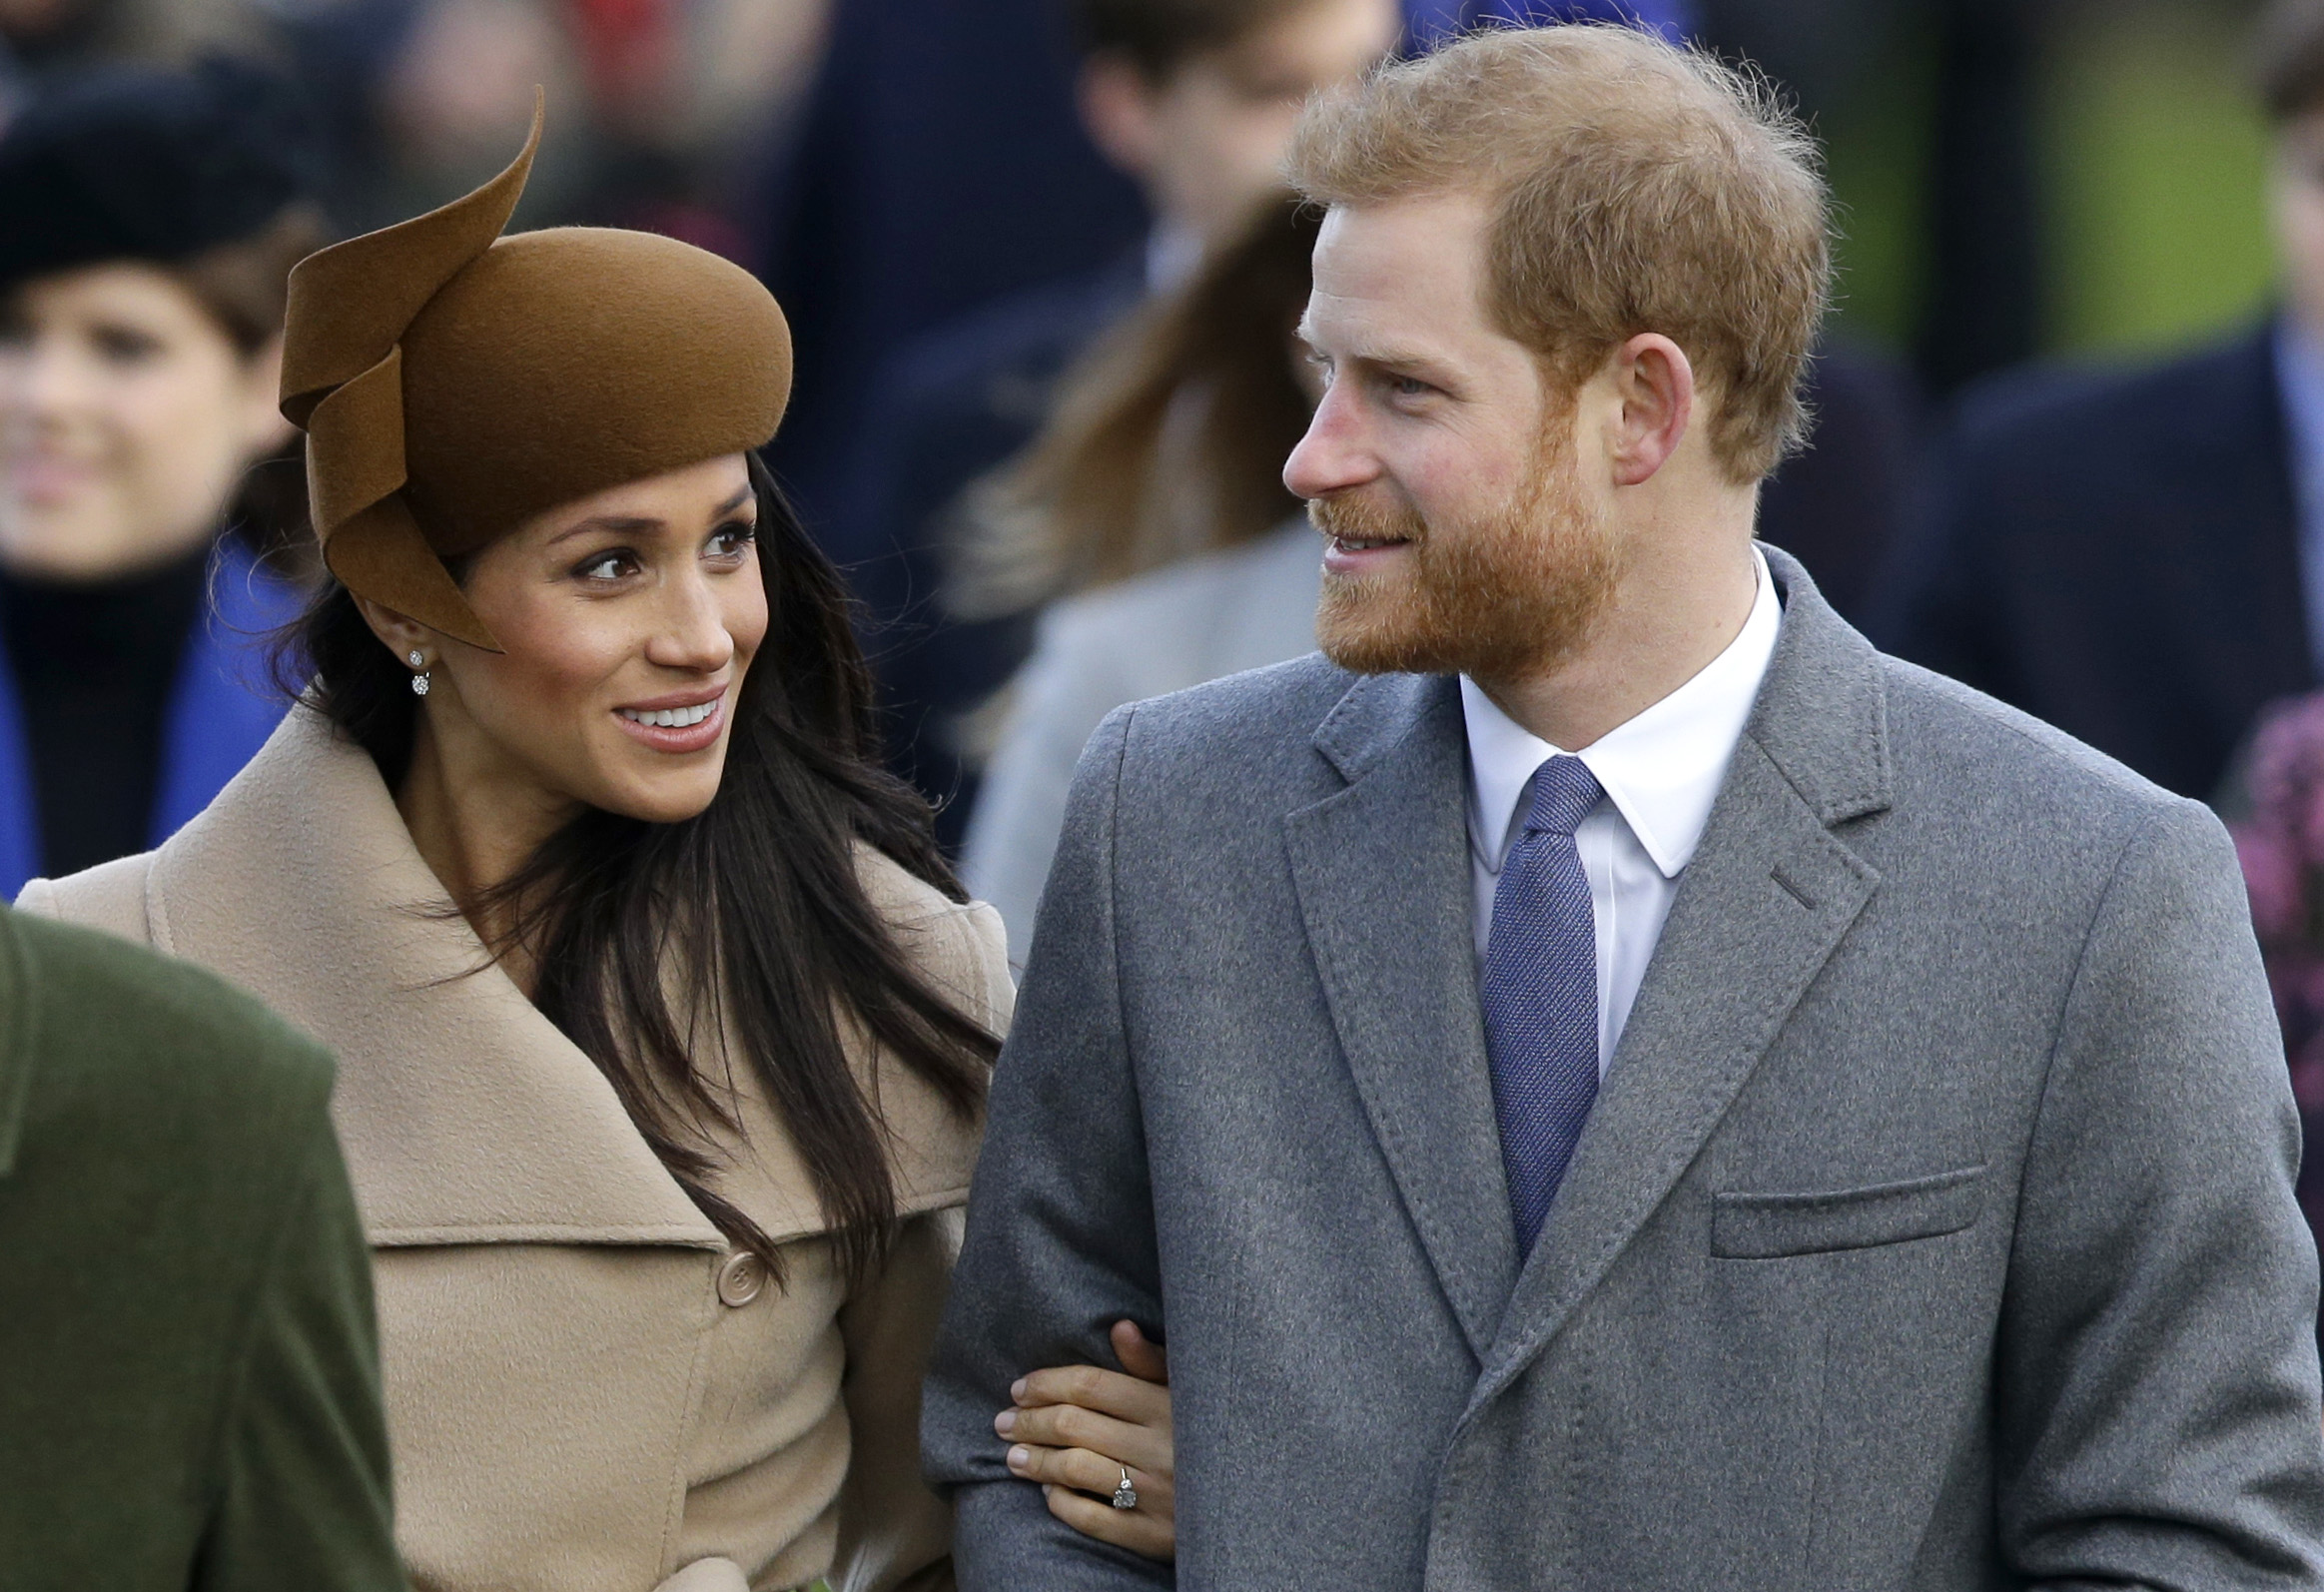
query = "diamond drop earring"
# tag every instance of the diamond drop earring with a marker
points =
(418, 660)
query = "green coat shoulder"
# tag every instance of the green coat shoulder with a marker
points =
(189, 1382)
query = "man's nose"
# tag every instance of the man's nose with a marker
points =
(1333, 455)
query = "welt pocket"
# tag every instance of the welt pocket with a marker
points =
(1764, 1226)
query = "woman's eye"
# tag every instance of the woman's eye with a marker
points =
(124, 344)
(730, 541)
(614, 565)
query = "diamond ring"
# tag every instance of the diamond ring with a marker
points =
(1125, 1496)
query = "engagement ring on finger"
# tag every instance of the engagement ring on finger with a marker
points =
(1125, 1496)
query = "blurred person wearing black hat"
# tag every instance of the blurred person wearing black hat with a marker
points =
(1193, 99)
(148, 224)
(2137, 554)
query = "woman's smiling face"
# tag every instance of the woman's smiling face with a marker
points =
(629, 619)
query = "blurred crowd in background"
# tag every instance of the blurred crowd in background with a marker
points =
(2070, 439)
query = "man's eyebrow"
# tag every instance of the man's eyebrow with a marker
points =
(1394, 356)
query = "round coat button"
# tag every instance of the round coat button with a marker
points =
(741, 1278)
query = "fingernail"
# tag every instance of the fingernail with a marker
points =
(1017, 1390)
(1020, 1457)
(1005, 1423)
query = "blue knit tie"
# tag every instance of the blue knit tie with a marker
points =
(1540, 994)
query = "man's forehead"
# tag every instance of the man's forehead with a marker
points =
(1405, 268)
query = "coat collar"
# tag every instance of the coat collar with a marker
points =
(1381, 868)
(17, 1057)
(219, 711)
(466, 1115)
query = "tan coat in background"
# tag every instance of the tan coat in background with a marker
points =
(587, 1390)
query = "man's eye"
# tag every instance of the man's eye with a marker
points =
(1408, 387)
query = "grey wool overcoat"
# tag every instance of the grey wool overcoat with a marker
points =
(1934, 1228)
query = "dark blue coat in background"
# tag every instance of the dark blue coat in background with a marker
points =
(220, 711)
(2117, 552)
(940, 166)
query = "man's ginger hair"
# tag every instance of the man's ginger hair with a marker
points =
(1634, 186)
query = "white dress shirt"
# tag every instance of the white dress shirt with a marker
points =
(1661, 772)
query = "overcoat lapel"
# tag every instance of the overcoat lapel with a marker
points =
(1383, 874)
(467, 1117)
(1759, 911)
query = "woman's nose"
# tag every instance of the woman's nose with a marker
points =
(40, 379)
(693, 635)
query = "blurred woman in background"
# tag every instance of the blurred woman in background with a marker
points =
(148, 224)
(1151, 519)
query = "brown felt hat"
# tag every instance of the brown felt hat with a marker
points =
(454, 383)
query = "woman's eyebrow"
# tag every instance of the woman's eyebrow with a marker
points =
(641, 524)
(620, 524)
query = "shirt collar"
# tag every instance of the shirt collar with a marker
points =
(1173, 255)
(2301, 378)
(1661, 769)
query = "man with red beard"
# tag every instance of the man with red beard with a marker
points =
(1603, 1080)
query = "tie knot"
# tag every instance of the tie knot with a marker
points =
(1564, 791)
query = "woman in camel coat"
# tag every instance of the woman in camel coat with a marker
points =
(662, 1027)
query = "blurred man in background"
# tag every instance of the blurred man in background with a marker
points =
(2139, 557)
(1194, 99)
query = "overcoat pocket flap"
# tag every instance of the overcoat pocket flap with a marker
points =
(1762, 1226)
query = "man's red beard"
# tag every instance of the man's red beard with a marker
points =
(1510, 597)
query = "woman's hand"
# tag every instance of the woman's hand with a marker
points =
(1076, 1428)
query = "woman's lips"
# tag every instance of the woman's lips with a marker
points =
(42, 480)
(676, 727)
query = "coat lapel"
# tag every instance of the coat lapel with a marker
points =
(1762, 907)
(467, 1117)
(1383, 874)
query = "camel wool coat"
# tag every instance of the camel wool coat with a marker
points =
(587, 1388)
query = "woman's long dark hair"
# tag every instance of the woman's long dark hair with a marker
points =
(1167, 441)
(758, 897)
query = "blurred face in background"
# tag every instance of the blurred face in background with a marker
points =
(1207, 140)
(127, 417)
(2296, 203)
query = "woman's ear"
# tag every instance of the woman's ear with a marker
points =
(401, 636)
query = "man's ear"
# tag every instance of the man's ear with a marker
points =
(1655, 383)
(1118, 104)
